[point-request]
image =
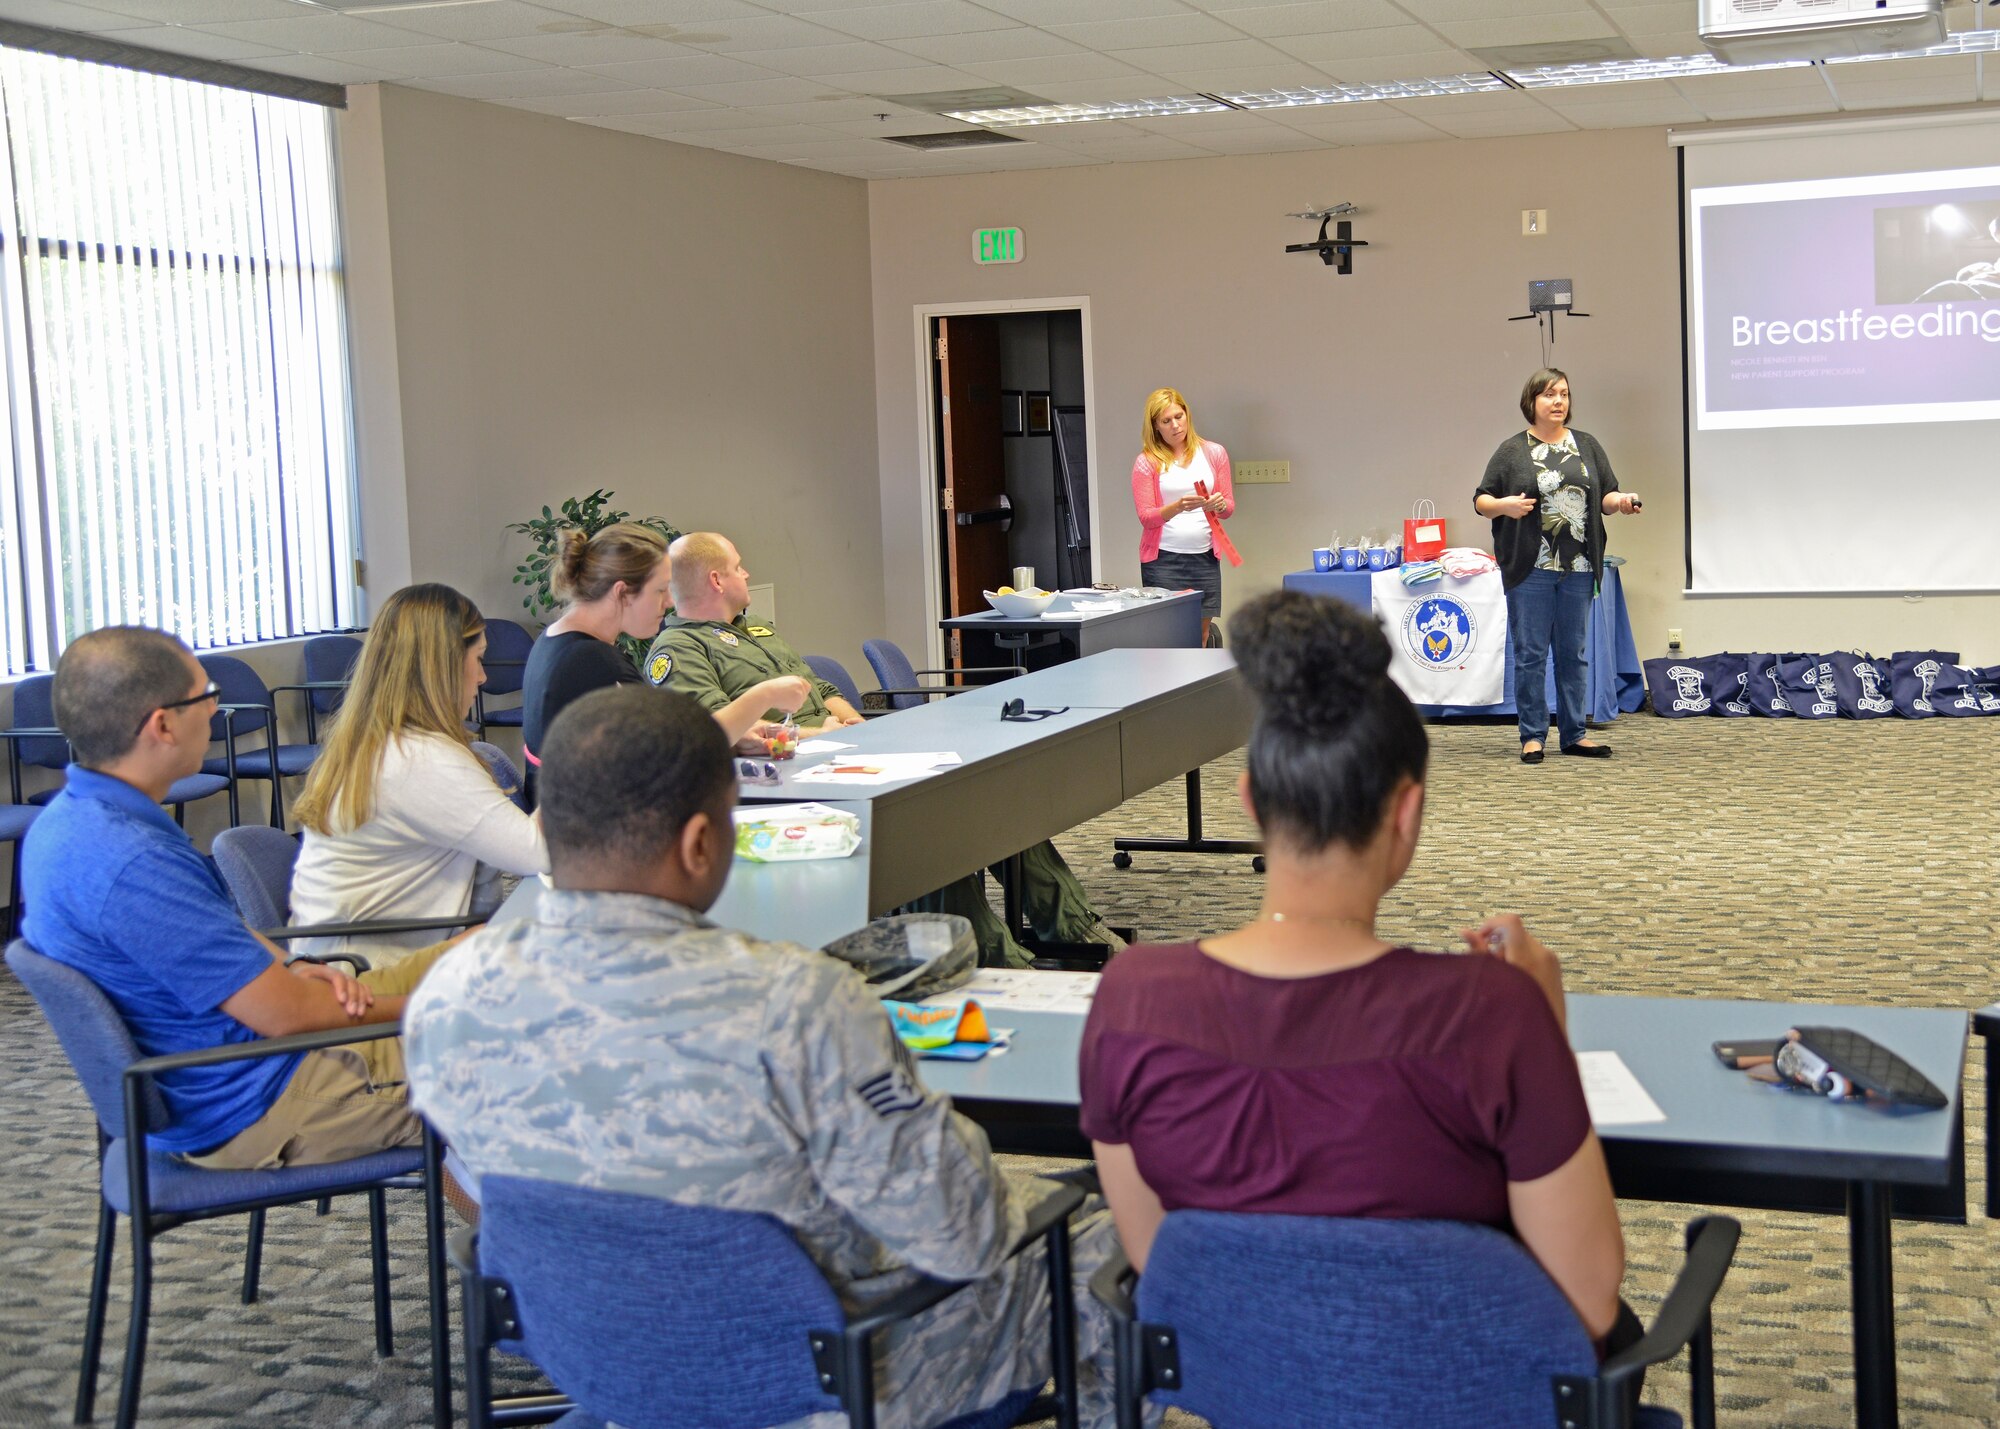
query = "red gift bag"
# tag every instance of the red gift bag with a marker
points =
(1423, 533)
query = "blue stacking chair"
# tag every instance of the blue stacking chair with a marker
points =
(245, 709)
(507, 646)
(36, 741)
(1301, 1322)
(329, 662)
(835, 674)
(158, 1192)
(901, 684)
(16, 819)
(657, 1315)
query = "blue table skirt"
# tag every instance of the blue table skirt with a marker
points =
(1617, 681)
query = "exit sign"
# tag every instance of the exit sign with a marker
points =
(996, 245)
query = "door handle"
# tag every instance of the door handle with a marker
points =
(1003, 513)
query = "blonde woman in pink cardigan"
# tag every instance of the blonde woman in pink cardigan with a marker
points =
(1176, 541)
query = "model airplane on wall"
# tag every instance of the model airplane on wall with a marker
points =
(1337, 250)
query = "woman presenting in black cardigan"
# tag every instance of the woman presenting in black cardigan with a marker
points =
(1548, 490)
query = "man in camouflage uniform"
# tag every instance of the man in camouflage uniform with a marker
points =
(619, 1039)
(711, 650)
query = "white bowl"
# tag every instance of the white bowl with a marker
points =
(1020, 607)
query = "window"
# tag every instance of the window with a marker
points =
(177, 445)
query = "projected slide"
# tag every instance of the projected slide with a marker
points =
(1843, 302)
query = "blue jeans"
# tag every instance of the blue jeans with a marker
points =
(1550, 606)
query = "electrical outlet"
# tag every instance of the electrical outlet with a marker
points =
(1534, 222)
(1673, 638)
(1272, 473)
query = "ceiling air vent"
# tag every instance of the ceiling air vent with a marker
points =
(953, 139)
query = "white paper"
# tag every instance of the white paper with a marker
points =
(1063, 614)
(823, 746)
(869, 769)
(1612, 1093)
(1026, 990)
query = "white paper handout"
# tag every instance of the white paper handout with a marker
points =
(1612, 1093)
(1025, 990)
(866, 769)
(823, 746)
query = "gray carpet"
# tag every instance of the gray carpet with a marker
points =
(1838, 862)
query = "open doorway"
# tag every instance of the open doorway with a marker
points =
(1009, 452)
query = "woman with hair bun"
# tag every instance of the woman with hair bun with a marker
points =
(1304, 1065)
(611, 584)
(1176, 543)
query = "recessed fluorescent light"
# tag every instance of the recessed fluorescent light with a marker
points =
(1023, 116)
(1966, 42)
(1298, 96)
(1632, 71)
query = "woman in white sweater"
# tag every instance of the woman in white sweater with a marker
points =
(398, 812)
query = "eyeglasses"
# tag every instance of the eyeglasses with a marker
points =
(208, 694)
(1017, 712)
(756, 771)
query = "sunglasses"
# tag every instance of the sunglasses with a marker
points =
(756, 771)
(1017, 712)
(208, 694)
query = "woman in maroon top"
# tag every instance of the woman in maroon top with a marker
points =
(1302, 1065)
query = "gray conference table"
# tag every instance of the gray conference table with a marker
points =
(990, 638)
(1726, 1140)
(1125, 721)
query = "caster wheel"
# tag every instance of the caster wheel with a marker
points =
(1121, 859)
(1257, 863)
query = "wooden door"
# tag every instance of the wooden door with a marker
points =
(974, 498)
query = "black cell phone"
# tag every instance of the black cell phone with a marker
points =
(1740, 1053)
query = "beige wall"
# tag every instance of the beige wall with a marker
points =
(577, 308)
(1389, 384)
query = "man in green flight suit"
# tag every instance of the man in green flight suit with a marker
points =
(709, 649)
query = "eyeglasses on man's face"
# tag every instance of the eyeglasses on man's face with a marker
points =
(208, 694)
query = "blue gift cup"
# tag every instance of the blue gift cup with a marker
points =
(1351, 559)
(1323, 558)
(1378, 558)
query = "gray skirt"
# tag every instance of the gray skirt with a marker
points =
(1183, 570)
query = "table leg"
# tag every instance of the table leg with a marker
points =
(1874, 1305)
(1194, 842)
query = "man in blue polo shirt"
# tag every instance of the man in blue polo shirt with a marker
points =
(117, 891)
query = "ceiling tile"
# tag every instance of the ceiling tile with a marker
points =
(1019, 43)
(1384, 68)
(181, 12)
(1272, 140)
(845, 58)
(1542, 29)
(593, 47)
(1360, 44)
(546, 82)
(847, 111)
(315, 34)
(1892, 84)
(687, 14)
(1057, 12)
(914, 18)
(1224, 54)
(713, 119)
(1668, 45)
(1031, 75)
(683, 70)
(1280, 74)
(185, 40)
(1189, 29)
(1612, 111)
(619, 102)
(1100, 91)
(320, 69)
(1438, 12)
(899, 123)
(1360, 124)
(1496, 126)
(84, 19)
(492, 20)
(1731, 96)
(1654, 19)
(765, 32)
(1319, 18)
(744, 94)
(431, 61)
(917, 79)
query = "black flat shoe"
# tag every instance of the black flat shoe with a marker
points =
(1588, 751)
(1531, 756)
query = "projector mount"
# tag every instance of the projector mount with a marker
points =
(1336, 251)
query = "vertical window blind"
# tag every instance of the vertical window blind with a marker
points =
(179, 447)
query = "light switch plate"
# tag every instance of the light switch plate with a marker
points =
(1534, 222)
(1271, 473)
